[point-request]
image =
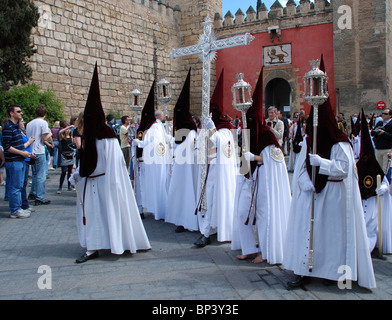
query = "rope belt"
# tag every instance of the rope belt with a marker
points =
(341, 180)
(255, 189)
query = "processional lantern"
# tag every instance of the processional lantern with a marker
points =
(134, 101)
(315, 85)
(164, 93)
(315, 93)
(242, 99)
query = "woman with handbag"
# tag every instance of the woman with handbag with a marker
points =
(67, 153)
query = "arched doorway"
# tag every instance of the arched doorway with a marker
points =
(278, 94)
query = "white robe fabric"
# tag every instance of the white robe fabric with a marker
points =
(356, 141)
(137, 181)
(243, 237)
(272, 204)
(292, 155)
(182, 193)
(153, 174)
(221, 188)
(370, 209)
(340, 238)
(273, 200)
(112, 217)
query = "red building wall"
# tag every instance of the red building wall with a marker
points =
(308, 43)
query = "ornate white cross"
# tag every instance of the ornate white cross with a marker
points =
(206, 48)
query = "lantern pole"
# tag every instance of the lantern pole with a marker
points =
(315, 93)
(164, 95)
(134, 101)
(242, 101)
(135, 105)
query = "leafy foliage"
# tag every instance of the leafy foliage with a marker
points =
(17, 18)
(29, 97)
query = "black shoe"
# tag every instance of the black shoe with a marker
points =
(202, 242)
(297, 282)
(39, 202)
(31, 197)
(179, 229)
(85, 257)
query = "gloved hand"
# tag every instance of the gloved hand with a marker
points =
(249, 156)
(209, 123)
(315, 160)
(74, 178)
(307, 186)
(136, 142)
(382, 190)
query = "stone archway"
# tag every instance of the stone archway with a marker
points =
(288, 76)
(278, 93)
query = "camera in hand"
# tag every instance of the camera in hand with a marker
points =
(269, 123)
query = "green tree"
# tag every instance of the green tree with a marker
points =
(17, 18)
(29, 97)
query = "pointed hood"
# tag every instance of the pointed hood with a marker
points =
(358, 124)
(147, 117)
(182, 118)
(94, 127)
(367, 166)
(328, 134)
(262, 134)
(216, 106)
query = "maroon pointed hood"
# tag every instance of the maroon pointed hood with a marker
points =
(182, 118)
(260, 133)
(94, 127)
(216, 106)
(147, 117)
(328, 134)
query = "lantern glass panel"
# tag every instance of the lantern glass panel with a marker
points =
(316, 87)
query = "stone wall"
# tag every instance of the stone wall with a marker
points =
(389, 53)
(129, 40)
(361, 56)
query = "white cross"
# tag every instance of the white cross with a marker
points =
(206, 48)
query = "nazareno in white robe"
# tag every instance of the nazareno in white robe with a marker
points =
(182, 193)
(153, 173)
(273, 200)
(272, 197)
(112, 216)
(243, 237)
(220, 189)
(341, 248)
(370, 209)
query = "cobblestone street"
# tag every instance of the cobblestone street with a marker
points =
(173, 270)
